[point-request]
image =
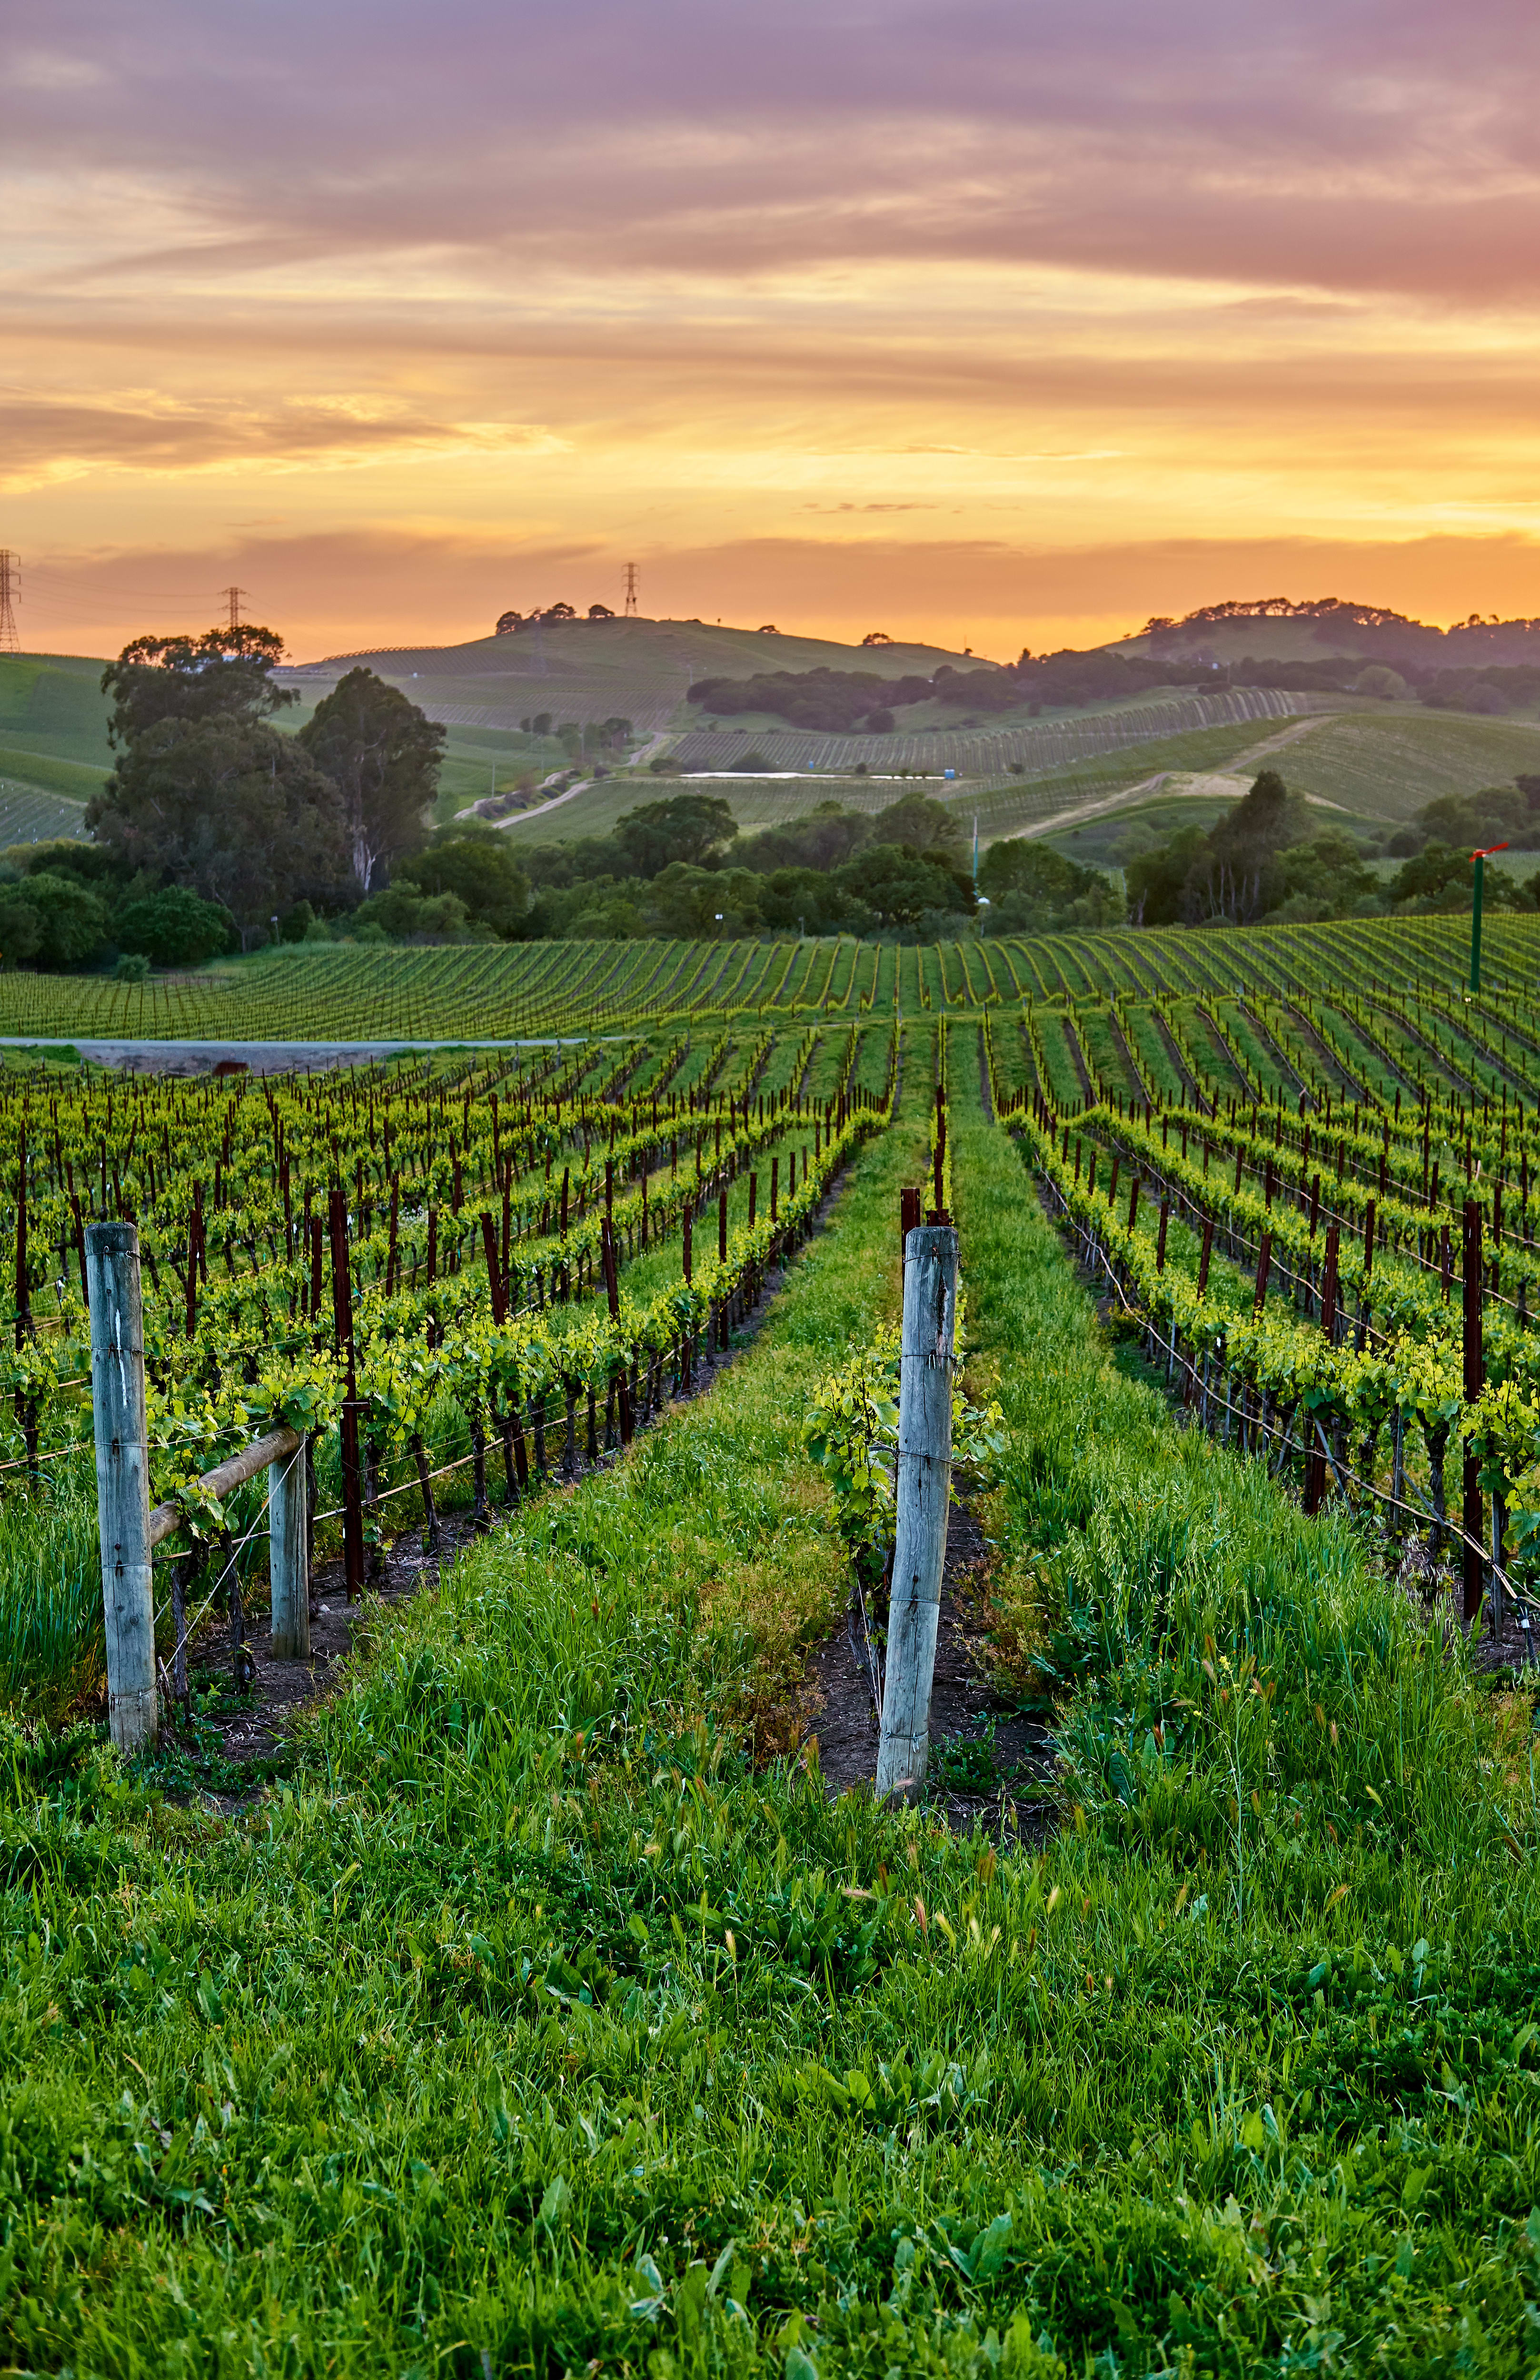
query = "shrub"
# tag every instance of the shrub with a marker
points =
(172, 928)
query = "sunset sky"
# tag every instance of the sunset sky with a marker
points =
(993, 324)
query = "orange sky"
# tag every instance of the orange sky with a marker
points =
(994, 324)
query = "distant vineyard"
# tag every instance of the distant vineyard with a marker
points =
(1042, 745)
(27, 814)
(528, 990)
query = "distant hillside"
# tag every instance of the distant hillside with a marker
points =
(582, 670)
(53, 704)
(1278, 629)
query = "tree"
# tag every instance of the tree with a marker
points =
(600, 611)
(692, 827)
(227, 673)
(1157, 880)
(921, 823)
(686, 901)
(383, 754)
(1435, 874)
(811, 899)
(55, 920)
(1236, 875)
(1033, 888)
(824, 837)
(483, 872)
(403, 914)
(20, 928)
(237, 811)
(1326, 878)
(174, 928)
(901, 884)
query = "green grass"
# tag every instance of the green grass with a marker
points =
(52, 707)
(630, 669)
(50, 1625)
(528, 2028)
(1110, 781)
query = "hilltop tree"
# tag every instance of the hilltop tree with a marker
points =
(384, 755)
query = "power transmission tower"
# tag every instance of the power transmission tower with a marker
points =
(233, 596)
(630, 590)
(10, 581)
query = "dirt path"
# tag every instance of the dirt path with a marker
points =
(1224, 784)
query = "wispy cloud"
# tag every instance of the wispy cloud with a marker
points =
(1082, 279)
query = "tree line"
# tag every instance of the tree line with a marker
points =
(217, 830)
(1267, 858)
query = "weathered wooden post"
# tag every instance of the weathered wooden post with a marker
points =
(1471, 1512)
(122, 1480)
(352, 1468)
(288, 1566)
(924, 1485)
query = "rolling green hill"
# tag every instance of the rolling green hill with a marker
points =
(52, 705)
(53, 749)
(1365, 770)
(593, 670)
(1385, 762)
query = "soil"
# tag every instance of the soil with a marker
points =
(839, 1718)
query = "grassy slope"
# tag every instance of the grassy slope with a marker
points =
(1386, 762)
(601, 648)
(52, 706)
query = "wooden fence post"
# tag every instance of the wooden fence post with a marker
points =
(289, 1567)
(122, 1480)
(352, 1469)
(923, 1485)
(1474, 1382)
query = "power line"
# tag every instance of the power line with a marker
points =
(10, 581)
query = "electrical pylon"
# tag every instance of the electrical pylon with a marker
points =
(10, 580)
(631, 575)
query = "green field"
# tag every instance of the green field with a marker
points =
(1366, 767)
(629, 669)
(52, 707)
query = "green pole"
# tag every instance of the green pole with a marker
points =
(1475, 926)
